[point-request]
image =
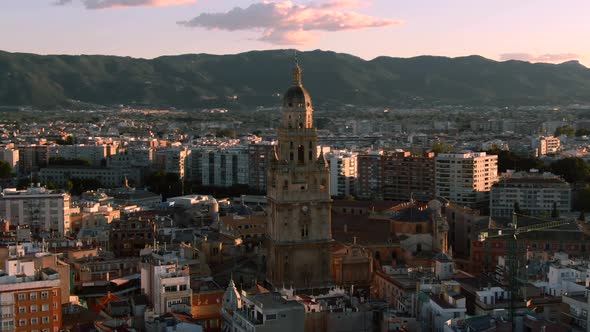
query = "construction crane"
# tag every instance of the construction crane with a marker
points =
(512, 256)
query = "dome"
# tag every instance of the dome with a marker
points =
(442, 257)
(296, 96)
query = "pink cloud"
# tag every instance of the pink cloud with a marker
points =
(549, 57)
(105, 4)
(284, 22)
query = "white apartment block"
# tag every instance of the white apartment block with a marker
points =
(44, 211)
(466, 178)
(95, 154)
(536, 193)
(225, 167)
(545, 145)
(343, 172)
(10, 156)
(165, 282)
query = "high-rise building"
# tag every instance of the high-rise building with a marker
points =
(225, 167)
(32, 158)
(370, 175)
(11, 157)
(408, 176)
(299, 203)
(172, 160)
(259, 154)
(536, 194)
(343, 172)
(397, 176)
(44, 211)
(466, 178)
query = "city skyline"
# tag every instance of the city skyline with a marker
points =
(536, 31)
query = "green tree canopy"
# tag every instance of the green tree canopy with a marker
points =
(565, 130)
(571, 169)
(5, 169)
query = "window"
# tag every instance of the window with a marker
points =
(44, 295)
(34, 308)
(45, 307)
(34, 321)
(54, 305)
(22, 310)
(22, 322)
(21, 297)
(54, 293)
(182, 287)
(45, 320)
(33, 296)
(271, 316)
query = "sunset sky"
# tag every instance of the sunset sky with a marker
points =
(533, 30)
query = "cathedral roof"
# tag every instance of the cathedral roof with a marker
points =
(296, 95)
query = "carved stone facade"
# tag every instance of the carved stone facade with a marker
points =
(299, 220)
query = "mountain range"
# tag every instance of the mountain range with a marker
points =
(258, 78)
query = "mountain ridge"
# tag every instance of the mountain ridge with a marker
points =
(259, 77)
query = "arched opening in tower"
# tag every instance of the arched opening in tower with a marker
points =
(301, 154)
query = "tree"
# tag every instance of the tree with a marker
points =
(5, 169)
(225, 133)
(554, 211)
(571, 169)
(516, 208)
(565, 130)
(510, 160)
(582, 132)
(441, 147)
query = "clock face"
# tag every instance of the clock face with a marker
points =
(304, 209)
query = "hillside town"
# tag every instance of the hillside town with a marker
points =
(295, 219)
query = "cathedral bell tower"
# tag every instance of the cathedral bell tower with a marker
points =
(299, 234)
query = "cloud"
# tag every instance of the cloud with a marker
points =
(549, 57)
(104, 4)
(287, 23)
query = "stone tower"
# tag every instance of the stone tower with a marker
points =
(299, 234)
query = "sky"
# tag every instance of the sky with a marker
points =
(530, 30)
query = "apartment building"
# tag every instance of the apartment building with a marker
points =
(466, 178)
(545, 145)
(95, 154)
(536, 193)
(343, 172)
(30, 300)
(370, 175)
(225, 167)
(408, 176)
(259, 154)
(165, 282)
(44, 211)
